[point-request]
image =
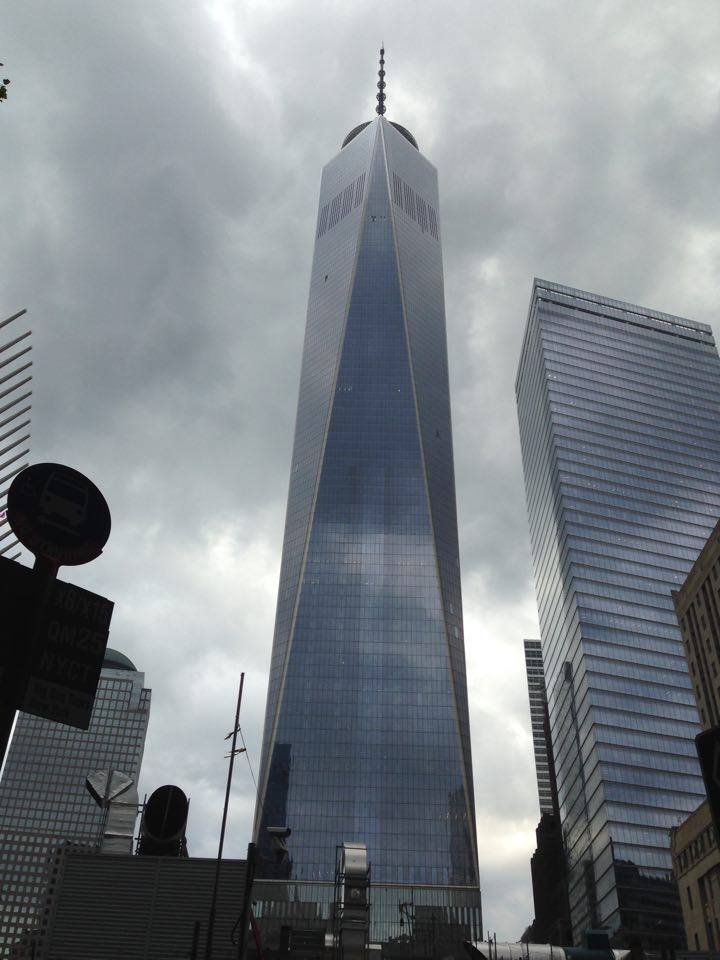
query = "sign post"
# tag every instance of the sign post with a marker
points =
(56, 633)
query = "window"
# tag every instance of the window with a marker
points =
(690, 902)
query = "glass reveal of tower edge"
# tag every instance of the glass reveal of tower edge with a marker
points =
(366, 729)
(619, 411)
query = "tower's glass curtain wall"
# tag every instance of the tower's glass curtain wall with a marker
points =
(619, 411)
(366, 730)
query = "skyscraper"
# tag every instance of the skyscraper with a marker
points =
(15, 408)
(540, 723)
(43, 799)
(366, 729)
(619, 411)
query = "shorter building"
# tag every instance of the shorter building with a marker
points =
(696, 863)
(15, 410)
(540, 723)
(697, 605)
(695, 853)
(548, 866)
(548, 869)
(109, 907)
(619, 429)
(44, 801)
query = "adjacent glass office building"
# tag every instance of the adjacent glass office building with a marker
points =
(619, 410)
(44, 803)
(15, 411)
(366, 730)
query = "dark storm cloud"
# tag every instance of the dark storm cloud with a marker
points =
(161, 166)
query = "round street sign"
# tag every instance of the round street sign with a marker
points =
(59, 514)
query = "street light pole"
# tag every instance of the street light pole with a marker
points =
(233, 751)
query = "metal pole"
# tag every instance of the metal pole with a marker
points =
(195, 941)
(7, 719)
(213, 901)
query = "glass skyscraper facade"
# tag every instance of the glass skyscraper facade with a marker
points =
(366, 730)
(44, 803)
(15, 411)
(619, 411)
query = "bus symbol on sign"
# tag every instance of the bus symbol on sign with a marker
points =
(63, 504)
(58, 514)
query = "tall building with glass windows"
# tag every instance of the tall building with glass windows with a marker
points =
(619, 410)
(366, 730)
(540, 724)
(15, 412)
(44, 803)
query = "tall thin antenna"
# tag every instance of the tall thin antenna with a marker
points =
(380, 108)
(231, 757)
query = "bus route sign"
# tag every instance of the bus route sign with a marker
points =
(58, 514)
(69, 648)
(51, 656)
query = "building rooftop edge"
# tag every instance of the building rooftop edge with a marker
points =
(698, 572)
(625, 305)
(694, 330)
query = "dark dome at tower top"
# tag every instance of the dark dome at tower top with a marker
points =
(114, 660)
(360, 127)
(406, 133)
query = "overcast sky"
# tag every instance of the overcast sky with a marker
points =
(160, 171)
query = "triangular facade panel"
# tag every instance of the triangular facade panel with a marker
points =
(414, 194)
(342, 198)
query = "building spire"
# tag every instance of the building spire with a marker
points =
(380, 108)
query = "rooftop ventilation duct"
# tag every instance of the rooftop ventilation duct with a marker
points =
(162, 831)
(116, 793)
